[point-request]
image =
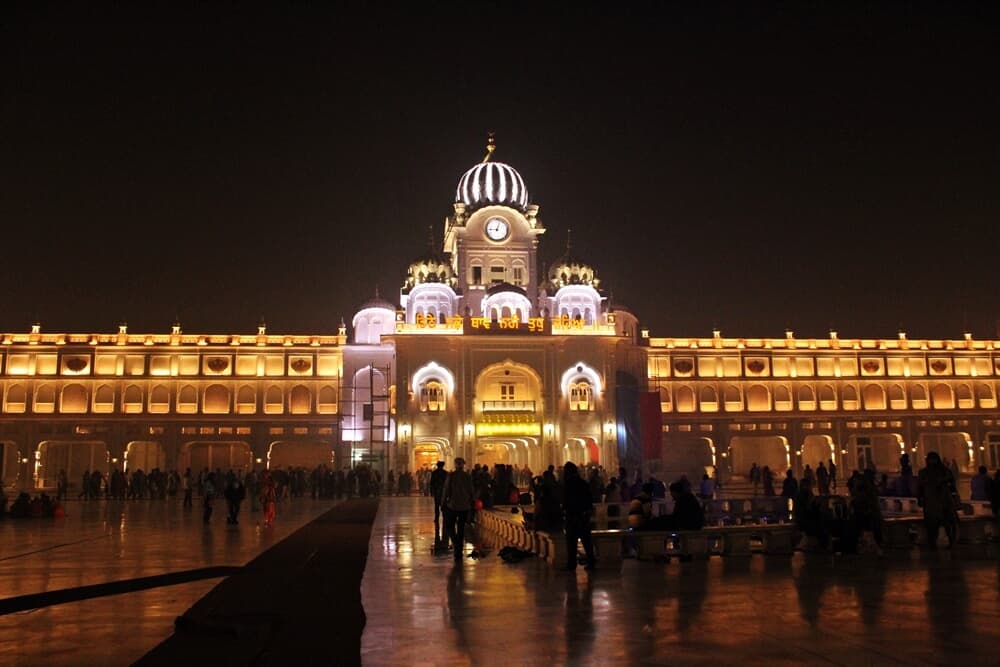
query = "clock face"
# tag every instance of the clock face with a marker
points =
(497, 229)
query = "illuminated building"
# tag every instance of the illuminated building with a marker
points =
(790, 402)
(488, 356)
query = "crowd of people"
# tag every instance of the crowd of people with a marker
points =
(265, 489)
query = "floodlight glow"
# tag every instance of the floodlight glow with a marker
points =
(433, 371)
(577, 370)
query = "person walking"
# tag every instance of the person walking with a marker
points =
(578, 505)
(209, 497)
(235, 493)
(268, 497)
(767, 477)
(823, 479)
(186, 487)
(62, 486)
(458, 499)
(936, 494)
(755, 477)
(789, 487)
(436, 484)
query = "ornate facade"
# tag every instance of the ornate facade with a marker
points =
(489, 357)
(791, 402)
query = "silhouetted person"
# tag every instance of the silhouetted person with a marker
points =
(578, 505)
(209, 497)
(789, 487)
(979, 485)
(235, 493)
(935, 493)
(458, 501)
(438, 478)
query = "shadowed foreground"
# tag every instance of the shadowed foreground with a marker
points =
(290, 605)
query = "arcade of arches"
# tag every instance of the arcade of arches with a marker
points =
(881, 450)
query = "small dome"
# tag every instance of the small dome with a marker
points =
(569, 271)
(378, 302)
(499, 288)
(430, 269)
(492, 183)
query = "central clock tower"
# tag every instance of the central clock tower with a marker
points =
(492, 238)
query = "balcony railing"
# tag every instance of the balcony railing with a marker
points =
(508, 406)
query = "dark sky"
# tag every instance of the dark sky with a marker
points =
(749, 166)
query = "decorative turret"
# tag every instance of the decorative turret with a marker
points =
(568, 270)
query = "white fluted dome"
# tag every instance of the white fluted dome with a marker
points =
(492, 183)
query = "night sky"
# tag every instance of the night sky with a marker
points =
(745, 166)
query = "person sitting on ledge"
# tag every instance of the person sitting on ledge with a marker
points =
(688, 513)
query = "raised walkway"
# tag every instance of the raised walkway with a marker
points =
(301, 600)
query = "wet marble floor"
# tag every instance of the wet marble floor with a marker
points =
(907, 608)
(101, 542)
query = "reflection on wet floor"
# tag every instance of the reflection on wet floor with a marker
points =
(909, 608)
(100, 542)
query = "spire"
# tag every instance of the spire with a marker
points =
(569, 241)
(430, 239)
(491, 145)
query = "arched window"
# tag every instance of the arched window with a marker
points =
(733, 398)
(104, 399)
(665, 403)
(807, 398)
(273, 403)
(827, 397)
(581, 397)
(897, 397)
(850, 397)
(432, 396)
(159, 400)
(187, 400)
(985, 395)
(874, 397)
(327, 403)
(782, 398)
(708, 399)
(132, 400)
(300, 400)
(17, 398)
(758, 398)
(45, 398)
(685, 399)
(74, 399)
(942, 397)
(216, 400)
(246, 400)
(918, 395)
(964, 394)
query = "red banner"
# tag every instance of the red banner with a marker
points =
(651, 425)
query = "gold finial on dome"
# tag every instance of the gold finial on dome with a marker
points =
(491, 145)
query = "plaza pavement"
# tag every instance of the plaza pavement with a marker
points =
(908, 608)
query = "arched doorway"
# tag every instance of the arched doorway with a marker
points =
(10, 465)
(144, 455)
(199, 454)
(490, 453)
(951, 446)
(426, 455)
(308, 454)
(880, 451)
(73, 457)
(771, 451)
(816, 448)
